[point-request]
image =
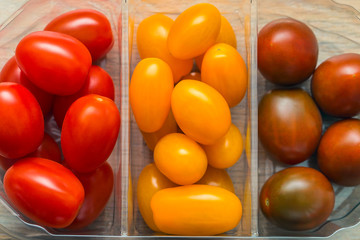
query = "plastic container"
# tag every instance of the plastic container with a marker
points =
(121, 218)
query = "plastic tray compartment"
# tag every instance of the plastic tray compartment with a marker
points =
(33, 16)
(238, 14)
(335, 28)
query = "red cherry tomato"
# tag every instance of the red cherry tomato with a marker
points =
(48, 149)
(335, 85)
(90, 27)
(12, 73)
(98, 186)
(339, 152)
(287, 51)
(44, 191)
(21, 122)
(89, 132)
(98, 81)
(55, 62)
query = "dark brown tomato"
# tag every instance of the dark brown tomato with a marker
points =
(297, 198)
(339, 152)
(287, 51)
(290, 125)
(336, 85)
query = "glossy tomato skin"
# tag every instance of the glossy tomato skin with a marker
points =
(89, 26)
(150, 92)
(89, 132)
(287, 51)
(196, 210)
(48, 149)
(227, 150)
(224, 69)
(98, 186)
(150, 181)
(290, 125)
(338, 153)
(200, 111)
(297, 198)
(335, 85)
(98, 81)
(52, 201)
(67, 61)
(22, 124)
(194, 31)
(226, 35)
(12, 73)
(169, 126)
(180, 159)
(217, 177)
(193, 76)
(151, 38)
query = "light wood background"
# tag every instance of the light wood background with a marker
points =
(7, 7)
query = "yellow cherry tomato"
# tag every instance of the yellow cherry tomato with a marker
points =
(193, 76)
(194, 31)
(217, 177)
(169, 126)
(150, 181)
(226, 151)
(200, 111)
(196, 210)
(150, 92)
(226, 35)
(151, 39)
(224, 69)
(180, 159)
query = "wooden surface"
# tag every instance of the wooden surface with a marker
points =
(7, 7)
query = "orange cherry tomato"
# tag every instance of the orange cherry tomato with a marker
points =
(193, 76)
(194, 31)
(200, 111)
(151, 39)
(226, 151)
(224, 69)
(150, 181)
(226, 35)
(196, 210)
(217, 177)
(169, 126)
(150, 92)
(180, 159)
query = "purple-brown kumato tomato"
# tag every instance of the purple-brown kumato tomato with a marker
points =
(290, 125)
(336, 85)
(339, 152)
(287, 51)
(297, 198)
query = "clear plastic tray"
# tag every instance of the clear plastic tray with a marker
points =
(121, 218)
